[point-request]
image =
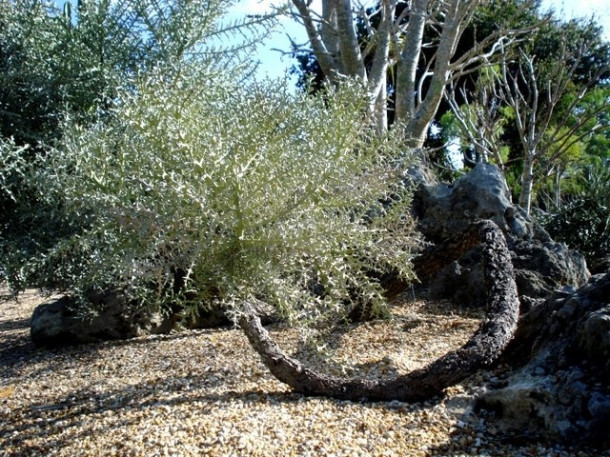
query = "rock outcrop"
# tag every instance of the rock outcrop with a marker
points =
(112, 318)
(541, 265)
(557, 385)
(59, 322)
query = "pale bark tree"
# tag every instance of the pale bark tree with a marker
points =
(479, 117)
(398, 43)
(547, 126)
(548, 109)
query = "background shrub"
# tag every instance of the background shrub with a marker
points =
(583, 219)
(66, 65)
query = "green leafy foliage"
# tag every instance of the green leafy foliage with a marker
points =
(52, 63)
(33, 219)
(583, 220)
(197, 191)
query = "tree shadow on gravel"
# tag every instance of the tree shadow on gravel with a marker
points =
(61, 422)
(331, 366)
(15, 344)
(22, 352)
(21, 347)
(15, 324)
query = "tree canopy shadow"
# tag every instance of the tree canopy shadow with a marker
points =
(61, 419)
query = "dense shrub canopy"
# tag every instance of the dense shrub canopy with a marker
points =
(199, 191)
(583, 221)
(65, 65)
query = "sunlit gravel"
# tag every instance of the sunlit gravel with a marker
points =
(206, 393)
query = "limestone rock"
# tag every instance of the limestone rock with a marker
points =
(113, 318)
(541, 265)
(445, 210)
(58, 322)
(558, 384)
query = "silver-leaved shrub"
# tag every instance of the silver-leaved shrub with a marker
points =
(199, 192)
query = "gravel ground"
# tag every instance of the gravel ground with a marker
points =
(206, 393)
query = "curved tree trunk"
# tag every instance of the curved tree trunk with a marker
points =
(482, 349)
(431, 261)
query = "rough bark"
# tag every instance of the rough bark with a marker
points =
(435, 259)
(482, 349)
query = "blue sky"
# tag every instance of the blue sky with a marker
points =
(273, 64)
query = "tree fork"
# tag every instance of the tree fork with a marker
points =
(482, 349)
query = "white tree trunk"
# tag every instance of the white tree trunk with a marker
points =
(380, 110)
(527, 182)
(406, 78)
(351, 57)
(328, 29)
(414, 110)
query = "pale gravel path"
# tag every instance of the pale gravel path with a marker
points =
(206, 393)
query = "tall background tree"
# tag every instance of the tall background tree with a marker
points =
(549, 93)
(414, 42)
(532, 96)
